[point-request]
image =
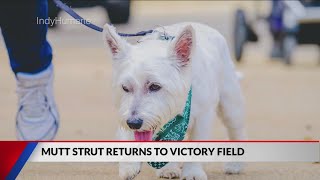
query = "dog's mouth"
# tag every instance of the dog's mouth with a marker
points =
(143, 135)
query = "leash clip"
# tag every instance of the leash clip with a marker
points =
(165, 37)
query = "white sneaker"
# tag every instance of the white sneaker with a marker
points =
(37, 117)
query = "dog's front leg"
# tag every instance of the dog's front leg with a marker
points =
(201, 130)
(170, 171)
(127, 170)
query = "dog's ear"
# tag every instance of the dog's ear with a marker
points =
(182, 46)
(118, 46)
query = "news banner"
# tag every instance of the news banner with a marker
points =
(15, 154)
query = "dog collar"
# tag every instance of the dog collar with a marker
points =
(174, 130)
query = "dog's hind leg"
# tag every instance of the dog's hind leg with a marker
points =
(232, 114)
(232, 111)
(127, 170)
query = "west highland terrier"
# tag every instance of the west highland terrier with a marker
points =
(151, 81)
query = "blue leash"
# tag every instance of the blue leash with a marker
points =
(76, 16)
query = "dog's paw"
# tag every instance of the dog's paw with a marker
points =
(169, 171)
(193, 172)
(233, 167)
(128, 171)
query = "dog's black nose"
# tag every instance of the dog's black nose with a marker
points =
(134, 123)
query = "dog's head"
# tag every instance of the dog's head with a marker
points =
(151, 79)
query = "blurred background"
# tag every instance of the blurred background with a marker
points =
(274, 46)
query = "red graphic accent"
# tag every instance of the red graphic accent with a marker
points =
(198, 141)
(10, 152)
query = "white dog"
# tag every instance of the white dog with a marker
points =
(151, 81)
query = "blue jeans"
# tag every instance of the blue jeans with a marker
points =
(26, 41)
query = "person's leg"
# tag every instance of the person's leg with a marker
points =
(28, 48)
(30, 58)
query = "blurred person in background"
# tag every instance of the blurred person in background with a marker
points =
(276, 27)
(30, 57)
(283, 23)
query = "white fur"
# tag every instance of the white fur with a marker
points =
(210, 71)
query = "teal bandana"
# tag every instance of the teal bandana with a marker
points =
(174, 130)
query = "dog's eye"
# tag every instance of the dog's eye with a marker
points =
(154, 87)
(125, 88)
